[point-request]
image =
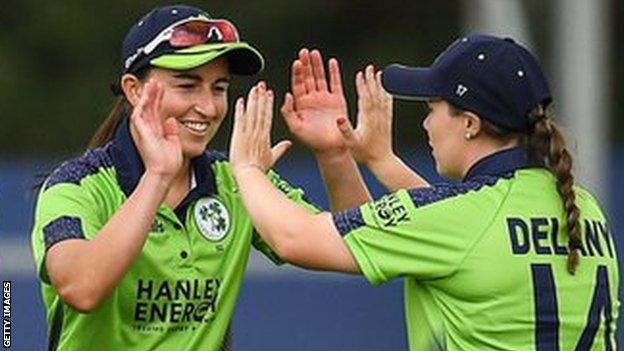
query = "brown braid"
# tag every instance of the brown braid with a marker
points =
(546, 144)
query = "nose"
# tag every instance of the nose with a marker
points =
(206, 107)
(425, 121)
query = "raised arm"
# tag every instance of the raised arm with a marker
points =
(371, 141)
(301, 238)
(85, 272)
(311, 112)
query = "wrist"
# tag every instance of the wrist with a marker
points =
(156, 180)
(328, 157)
(381, 162)
(237, 170)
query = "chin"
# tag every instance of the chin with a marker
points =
(192, 151)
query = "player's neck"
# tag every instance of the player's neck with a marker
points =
(483, 148)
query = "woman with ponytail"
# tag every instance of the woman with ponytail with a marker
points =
(142, 242)
(512, 256)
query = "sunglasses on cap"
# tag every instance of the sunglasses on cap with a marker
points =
(190, 32)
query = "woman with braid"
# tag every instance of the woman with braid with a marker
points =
(513, 256)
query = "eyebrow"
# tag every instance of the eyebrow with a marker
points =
(198, 78)
(187, 76)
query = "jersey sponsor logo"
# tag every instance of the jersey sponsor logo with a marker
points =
(212, 218)
(175, 303)
(390, 211)
(283, 186)
(542, 236)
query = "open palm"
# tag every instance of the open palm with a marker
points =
(314, 106)
(156, 137)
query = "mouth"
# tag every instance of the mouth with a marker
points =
(199, 128)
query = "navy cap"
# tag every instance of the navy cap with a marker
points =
(495, 78)
(242, 58)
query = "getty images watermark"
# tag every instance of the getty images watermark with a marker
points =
(6, 314)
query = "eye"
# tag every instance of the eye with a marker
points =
(221, 87)
(186, 85)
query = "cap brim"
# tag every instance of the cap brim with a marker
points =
(243, 59)
(411, 83)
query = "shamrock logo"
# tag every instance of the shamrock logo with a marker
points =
(212, 218)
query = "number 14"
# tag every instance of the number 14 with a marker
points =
(547, 313)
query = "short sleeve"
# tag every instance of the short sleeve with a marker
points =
(294, 194)
(64, 211)
(424, 234)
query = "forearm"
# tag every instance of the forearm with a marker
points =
(394, 174)
(92, 269)
(275, 218)
(343, 181)
(297, 236)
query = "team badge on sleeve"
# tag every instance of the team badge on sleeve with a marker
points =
(212, 218)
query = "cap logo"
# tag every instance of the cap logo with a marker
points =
(461, 90)
(212, 218)
(215, 34)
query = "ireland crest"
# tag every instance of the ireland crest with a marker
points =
(212, 218)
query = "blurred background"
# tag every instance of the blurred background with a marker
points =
(57, 59)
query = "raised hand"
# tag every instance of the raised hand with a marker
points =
(251, 136)
(314, 106)
(371, 141)
(156, 136)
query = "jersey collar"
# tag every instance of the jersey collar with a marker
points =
(129, 167)
(501, 163)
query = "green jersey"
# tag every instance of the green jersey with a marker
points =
(484, 261)
(181, 290)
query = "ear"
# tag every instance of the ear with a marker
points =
(472, 123)
(132, 88)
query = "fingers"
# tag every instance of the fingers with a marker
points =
(239, 112)
(251, 138)
(369, 78)
(252, 107)
(308, 74)
(140, 117)
(279, 150)
(335, 81)
(318, 70)
(171, 129)
(297, 79)
(258, 115)
(370, 89)
(360, 87)
(384, 94)
(147, 113)
(238, 147)
(267, 117)
(288, 113)
(346, 129)
(156, 114)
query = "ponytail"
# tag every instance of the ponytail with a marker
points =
(106, 130)
(546, 144)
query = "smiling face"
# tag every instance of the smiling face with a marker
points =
(446, 135)
(198, 101)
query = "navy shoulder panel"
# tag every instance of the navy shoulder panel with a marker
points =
(349, 220)
(438, 192)
(73, 171)
(61, 229)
